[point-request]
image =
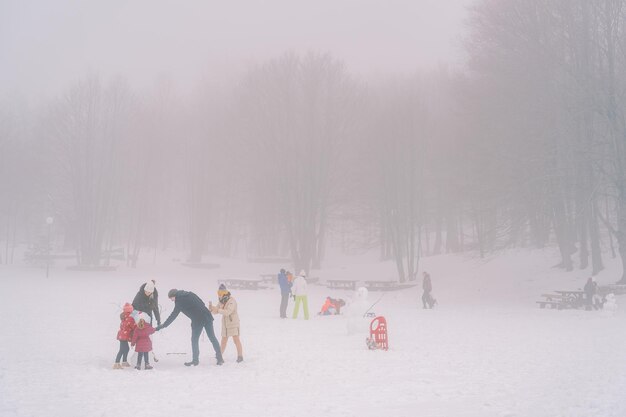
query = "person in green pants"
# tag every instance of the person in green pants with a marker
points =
(299, 290)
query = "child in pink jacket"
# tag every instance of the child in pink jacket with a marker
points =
(141, 341)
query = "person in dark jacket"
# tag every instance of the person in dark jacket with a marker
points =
(427, 299)
(285, 291)
(193, 307)
(147, 301)
(590, 290)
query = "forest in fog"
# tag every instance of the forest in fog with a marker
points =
(524, 145)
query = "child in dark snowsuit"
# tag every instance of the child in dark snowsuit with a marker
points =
(124, 335)
(143, 344)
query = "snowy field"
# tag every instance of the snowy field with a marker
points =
(487, 350)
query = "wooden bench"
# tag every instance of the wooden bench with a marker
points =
(269, 278)
(388, 285)
(312, 280)
(563, 299)
(242, 284)
(341, 284)
(553, 304)
(617, 289)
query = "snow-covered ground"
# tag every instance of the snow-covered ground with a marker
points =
(487, 350)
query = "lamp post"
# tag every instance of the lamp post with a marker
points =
(49, 221)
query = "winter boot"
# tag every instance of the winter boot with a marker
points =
(194, 363)
(125, 365)
(138, 367)
(147, 367)
(220, 361)
(117, 366)
(239, 359)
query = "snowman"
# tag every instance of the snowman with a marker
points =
(355, 311)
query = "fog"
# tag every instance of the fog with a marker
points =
(290, 129)
(46, 45)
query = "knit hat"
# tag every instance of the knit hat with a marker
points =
(172, 293)
(142, 316)
(149, 287)
(221, 291)
(128, 308)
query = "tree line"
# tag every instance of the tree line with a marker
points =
(524, 146)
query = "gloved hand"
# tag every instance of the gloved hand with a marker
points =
(159, 327)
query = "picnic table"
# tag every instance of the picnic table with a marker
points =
(312, 280)
(388, 285)
(563, 299)
(269, 278)
(242, 283)
(341, 284)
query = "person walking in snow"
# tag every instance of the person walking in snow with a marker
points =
(124, 335)
(230, 320)
(299, 291)
(590, 291)
(285, 292)
(193, 307)
(427, 299)
(147, 301)
(141, 341)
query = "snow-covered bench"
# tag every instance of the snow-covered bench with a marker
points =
(552, 303)
(388, 285)
(341, 284)
(243, 284)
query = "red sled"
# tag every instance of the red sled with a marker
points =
(378, 333)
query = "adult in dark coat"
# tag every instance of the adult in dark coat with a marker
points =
(427, 299)
(193, 307)
(590, 290)
(147, 301)
(285, 291)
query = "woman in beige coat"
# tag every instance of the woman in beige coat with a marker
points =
(230, 320)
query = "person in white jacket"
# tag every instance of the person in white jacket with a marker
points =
(299, 291)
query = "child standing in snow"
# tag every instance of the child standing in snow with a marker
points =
(124, 335)
(141, 341)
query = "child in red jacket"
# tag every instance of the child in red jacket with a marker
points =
(124, 335)
(141, 341)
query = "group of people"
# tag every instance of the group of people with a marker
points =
(136, 323)
(296, 288)
(137, 318)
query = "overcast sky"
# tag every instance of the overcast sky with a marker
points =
(47, 44)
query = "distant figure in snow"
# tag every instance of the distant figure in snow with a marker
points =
(332, 306)
(427, 299)
(285, 292)
(193, 307)
(141, 341)
(590, 291)
(147, 301)
(230, 320)
(299, 291)
(124, 335)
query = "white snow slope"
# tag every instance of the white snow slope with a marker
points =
(486, 350)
